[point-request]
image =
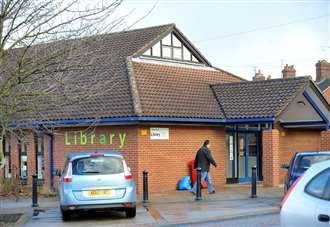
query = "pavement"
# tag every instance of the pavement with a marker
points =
(163, 209)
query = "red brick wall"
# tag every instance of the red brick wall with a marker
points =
(325, 140)
(294, 140)
(167, 160)
(129, 151)
(326, 94)
(271, 157)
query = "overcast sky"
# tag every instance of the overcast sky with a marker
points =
(239, 36)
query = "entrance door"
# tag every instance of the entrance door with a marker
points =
(247, 155)
(243, 154)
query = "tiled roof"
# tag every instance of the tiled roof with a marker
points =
(172, 91)
(106, 57)
(257, 99)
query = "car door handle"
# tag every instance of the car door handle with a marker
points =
(324, 218)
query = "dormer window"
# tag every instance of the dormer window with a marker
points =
(170, 47)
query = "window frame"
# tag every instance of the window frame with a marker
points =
(22, 144)
(172, 47)
(7, 153)
(326, 193)
(38, 153)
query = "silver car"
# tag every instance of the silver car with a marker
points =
(307, 202)
(96, 180)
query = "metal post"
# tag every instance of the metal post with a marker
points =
(254, 182)
(35, 190)
(145, 187)
(199, 184)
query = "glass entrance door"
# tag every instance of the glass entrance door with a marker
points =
(247, 155)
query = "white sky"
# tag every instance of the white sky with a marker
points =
(240, 35)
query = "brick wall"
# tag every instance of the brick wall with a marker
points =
(271, 157)
(167, 160)
(326, 94)
(129, 150)
(325, 140)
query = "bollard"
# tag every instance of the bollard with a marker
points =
(35, 190)
(145, 187)
(199, 184)
(254, 182)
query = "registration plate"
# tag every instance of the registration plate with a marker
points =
(95, 193)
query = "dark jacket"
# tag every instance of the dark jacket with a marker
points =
(203, 159)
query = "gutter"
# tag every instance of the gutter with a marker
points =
(139, 120)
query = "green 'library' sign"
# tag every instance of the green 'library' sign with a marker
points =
(85, 138)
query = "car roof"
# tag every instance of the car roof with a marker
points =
(302, 153)
(77, 154)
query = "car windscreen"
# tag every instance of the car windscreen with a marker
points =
(97, 165)
(306, 161)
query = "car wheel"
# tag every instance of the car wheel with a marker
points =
(66, 215)
(130, 212)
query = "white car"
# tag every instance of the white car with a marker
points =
(307, 202)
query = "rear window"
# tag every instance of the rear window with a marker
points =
(306, 161)
(97, 165)
(317, 186)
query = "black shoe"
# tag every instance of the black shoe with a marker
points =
(213, 192)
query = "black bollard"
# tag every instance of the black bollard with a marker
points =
(35, 190)
(145, 187)
(254, 182)
(199, 184)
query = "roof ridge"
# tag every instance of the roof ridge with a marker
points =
(307, 78)
(133, 87)
(218, 101)
(139, 29)
(292, 98)
(154, 41)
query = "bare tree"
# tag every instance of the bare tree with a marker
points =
(39, 44)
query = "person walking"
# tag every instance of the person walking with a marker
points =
(203, 160)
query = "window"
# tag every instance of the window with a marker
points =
(317, 186)
(6, 148)
(23, 166)
(170, 47)
(97, 165)
(40, 157)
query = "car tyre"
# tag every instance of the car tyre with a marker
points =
(130, 212)
(66, 215)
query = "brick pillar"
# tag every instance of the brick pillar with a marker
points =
(31, 153)
(14, 156)
(271, 157)
(325, 140)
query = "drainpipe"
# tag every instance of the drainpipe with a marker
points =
(51, 162)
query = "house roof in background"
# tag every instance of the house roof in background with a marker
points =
(324, 84)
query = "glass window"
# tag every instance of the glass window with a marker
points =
(97, 165)
(176, 42)
(156, 50)
(177, 53)
(167, 40)
(23, 160)
(147, 53)
(167, 51)
(316, 187)
(186, 54)
(306, 161)
(6, 148)
(40, 157)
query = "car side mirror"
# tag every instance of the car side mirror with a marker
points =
(285, 166)
(58, 172)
